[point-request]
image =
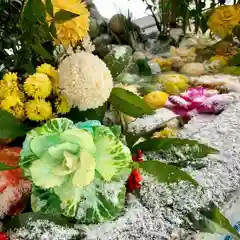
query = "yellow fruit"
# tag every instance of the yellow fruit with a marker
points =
(174, 83)
(165, 133)
(223, 60)
(156, 99)
(165, 64)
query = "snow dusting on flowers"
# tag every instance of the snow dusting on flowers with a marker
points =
(71, 164)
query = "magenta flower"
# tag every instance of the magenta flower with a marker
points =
(197, 100)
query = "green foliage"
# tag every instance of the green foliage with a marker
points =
(165, 173)
(168, 143)
(4, 167)
(213, 221)
(63, 16)
(129, 103)
(10, 127)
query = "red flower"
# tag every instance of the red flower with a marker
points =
(3, 236)
(13, 186)
(135, 179)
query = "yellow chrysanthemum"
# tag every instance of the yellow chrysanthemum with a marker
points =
(224, 19)
(9, 77)
(38, 110)
(9, 89)
(156, 99)
(74, 30)
(165, 133)
(165, 64)
(13, 105)
(62, 105)
(52, 74)
(38, 85)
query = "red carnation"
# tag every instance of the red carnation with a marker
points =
(135, 179)
(3, 236)
(14, 188)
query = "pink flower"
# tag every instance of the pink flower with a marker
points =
(197, 100)
(14, 188)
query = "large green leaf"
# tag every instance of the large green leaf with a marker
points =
(129, 103)
(111, 155)
(101, 201)
(34, 11)
(235, 61)
(49, 7)
(215, 222)
(63, 16)
(4, 167)
(165, 173)
(200, 150)
(91, 114)
(10, 127)
(38, 48)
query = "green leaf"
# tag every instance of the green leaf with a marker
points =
(235, 61)
(165, 173)
(10, 127)
(117, 130)
(38, 48)
(49, 7)
(214, 221)
(112, 156)
(200, 150)
(34, 11)
(203, 24)
(4, 167)
(91, 114)
(53, 29)
(63, 16)
(129, 103)
(144, 68)
(131, 139)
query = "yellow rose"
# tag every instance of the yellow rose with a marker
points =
(223, 60)
(156, 99)
(224, 19)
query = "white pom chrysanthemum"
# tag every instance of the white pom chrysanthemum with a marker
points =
(85, 80)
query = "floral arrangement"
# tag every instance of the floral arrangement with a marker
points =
(36, 98)
(65, 151)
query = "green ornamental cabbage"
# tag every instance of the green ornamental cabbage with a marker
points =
(77, 170)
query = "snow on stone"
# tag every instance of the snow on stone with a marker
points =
(151, 122)
(44, 230)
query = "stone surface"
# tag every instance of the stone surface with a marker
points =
(160, 214)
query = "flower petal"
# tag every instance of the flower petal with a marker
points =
(113, 158)
(80, 137)
(57, 151)
(86, 170)
(42, 172)
(40, 144)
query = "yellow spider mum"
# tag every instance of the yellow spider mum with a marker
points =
(52, 74)
(165, 133)
(61, 105)
(13, 105)
(38, 110)
(10, 77)
(74, 30)
(9, 89)
(224, 19)
(38, 85)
